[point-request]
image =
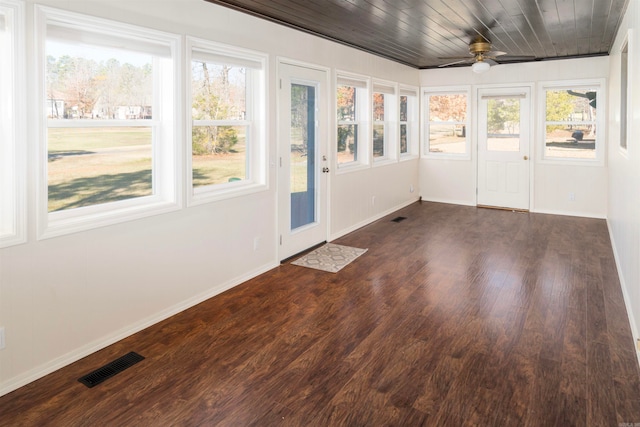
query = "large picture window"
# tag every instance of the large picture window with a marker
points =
(446, 123)
(572, 124)
(12, 224)
(352, 112)
(109, 104)
(226, 116)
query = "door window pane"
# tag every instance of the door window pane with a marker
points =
(302, 155)
(503, 124)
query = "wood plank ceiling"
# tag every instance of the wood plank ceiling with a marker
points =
(420, 33)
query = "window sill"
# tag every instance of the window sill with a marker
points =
(82, 219)
(211, 194)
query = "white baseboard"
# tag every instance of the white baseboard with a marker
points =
(370, 220)
(449, 201)
(625, 294)
(564, 213)
(79, 353)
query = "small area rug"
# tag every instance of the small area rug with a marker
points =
(329, 257)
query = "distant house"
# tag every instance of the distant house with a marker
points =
(133, 112)
(55, 109)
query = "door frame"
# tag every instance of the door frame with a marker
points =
(329, 149)
(533, 145)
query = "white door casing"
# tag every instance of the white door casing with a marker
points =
(303, 166)
(504, 133)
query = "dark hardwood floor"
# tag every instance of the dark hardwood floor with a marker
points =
(456, 316)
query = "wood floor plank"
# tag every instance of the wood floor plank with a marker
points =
(456, 316)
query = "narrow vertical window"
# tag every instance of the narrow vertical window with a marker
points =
(384, 111)
(379, 140)
(11, 154)
(226, 116)
(408, 122)
(109, 104)
(352, 110)
(624, 91)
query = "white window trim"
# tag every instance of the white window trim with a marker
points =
(12, 151)
(363, 109)
(257, 156)
(413, 122)
(600, 84)
(628, 44)
(390, 121)
(166, 155)
(424, 141)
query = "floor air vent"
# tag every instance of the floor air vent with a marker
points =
(110, 369)
(399, 218)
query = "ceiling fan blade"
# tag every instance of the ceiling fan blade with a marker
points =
(507, 58)
(456, 57)
(456, 62)
(495, 53)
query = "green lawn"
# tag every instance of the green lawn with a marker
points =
(94, 166)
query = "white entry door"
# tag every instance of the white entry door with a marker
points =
(302, 158)
(503, 147)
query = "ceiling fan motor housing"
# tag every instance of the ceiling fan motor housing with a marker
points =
(479, 47)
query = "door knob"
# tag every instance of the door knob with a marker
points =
(325, 170)
(526, 157)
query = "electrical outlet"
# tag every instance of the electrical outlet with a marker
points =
(373, 200)
(2, 342)
(411, 188)
(638, 344)
(256, 243)
(572, 196)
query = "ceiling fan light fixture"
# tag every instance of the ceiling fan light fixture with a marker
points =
(480, 67)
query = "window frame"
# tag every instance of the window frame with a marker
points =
(389, 91)
(363, 121)
(12, 128)
(600, 85)
(255, 119)
(425, 145)
(412, 122)
(166, 171)
(625, 93)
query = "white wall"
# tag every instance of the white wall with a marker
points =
(65, 297)
(624, 168)
(454, 181)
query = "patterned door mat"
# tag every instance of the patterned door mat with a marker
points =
(329, 257)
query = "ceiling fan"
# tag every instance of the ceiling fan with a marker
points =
(482, 55)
